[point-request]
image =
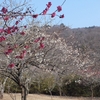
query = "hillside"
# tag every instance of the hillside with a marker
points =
(88, 36)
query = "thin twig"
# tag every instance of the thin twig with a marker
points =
(63, 2)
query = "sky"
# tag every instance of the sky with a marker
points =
(78, 13)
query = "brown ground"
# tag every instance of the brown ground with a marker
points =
(43, 97)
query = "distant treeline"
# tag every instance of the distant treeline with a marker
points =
(72, 89)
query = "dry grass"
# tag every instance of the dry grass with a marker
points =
(44, 97)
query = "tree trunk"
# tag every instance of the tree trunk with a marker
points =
(60, 91)
(24, 93)
(92, 93)
(1, 91)
(39, 88)
(2, 86)
(50, 93)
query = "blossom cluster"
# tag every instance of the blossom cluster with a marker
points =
(44, 12)
(17, 17)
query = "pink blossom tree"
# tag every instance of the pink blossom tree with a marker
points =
(21, 50)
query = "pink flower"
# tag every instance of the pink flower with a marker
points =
(6, 18)
(49, 4)
(8, 30)
(12, 65)
(20, 57)
(41, 45)
(37, 40)
(15, 28)
(53, 14)
(22, 54)
(61, 16)
(35, 16)
(45, 11)
(2, 38)
(17, 22)
(59, 8)
(1, 30)
(15, 45)
(26, 46)
(11, 29)
(42, 38)
(17, 57)
(4, 10)
(25, 26)
(9, 51)
(22, 33)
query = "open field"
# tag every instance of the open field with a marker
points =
(44, 97)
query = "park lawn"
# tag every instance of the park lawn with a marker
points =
(43, 97)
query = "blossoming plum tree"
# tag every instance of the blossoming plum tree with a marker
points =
(26, 50)
(19, 48)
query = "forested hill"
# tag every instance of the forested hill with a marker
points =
(87, 36)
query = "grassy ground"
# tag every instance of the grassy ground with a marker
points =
(43, 97)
